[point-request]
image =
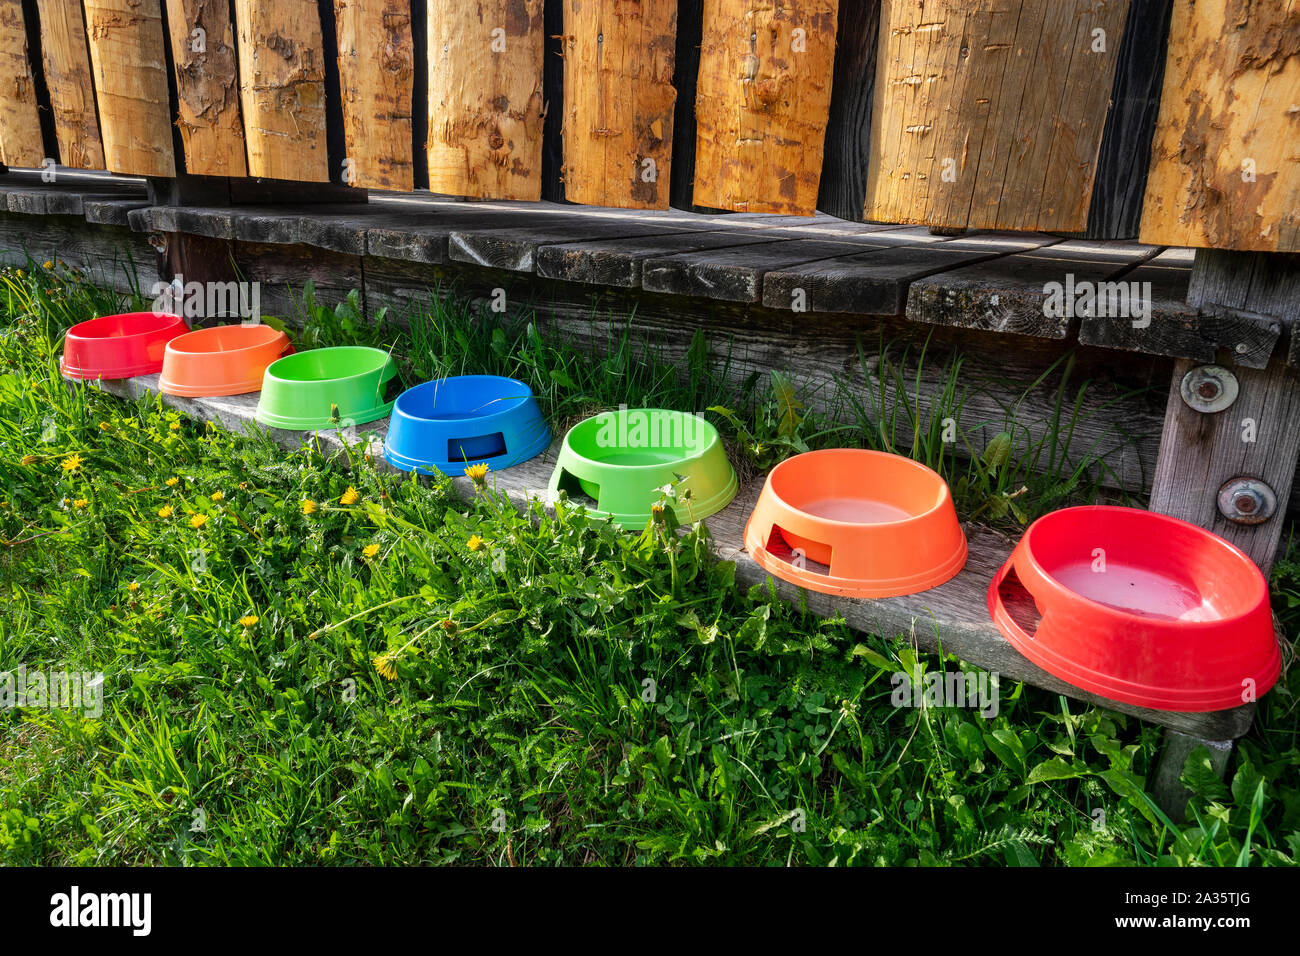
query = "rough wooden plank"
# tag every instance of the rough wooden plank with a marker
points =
(376, 77)
(952, 617)
(207, 87)
(762, 103)
(1014, 294)
(1125, 154)
(67, 74)
(485, 98)
(989, 113)
(618, 261)
(20, 127)
(1258, 436)
(875, 282)
(736, 275)
(282, 88)
(843, 187)
(618, 108)
(1224, 168)
(515, 248)
(112, 256)
(126, 54)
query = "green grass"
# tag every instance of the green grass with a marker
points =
(561, 693)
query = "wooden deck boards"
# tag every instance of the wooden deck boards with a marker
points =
(952, 618)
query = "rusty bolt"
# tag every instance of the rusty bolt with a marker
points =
(1209, 388)
(1245, 500)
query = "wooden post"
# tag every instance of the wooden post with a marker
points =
(619, 96)
(485, 98)
(762, 103)
(72, 92)
(207, 88)
(1165, 784)
(20, 125)
(376, 76)
(282, 86)
(126, 54)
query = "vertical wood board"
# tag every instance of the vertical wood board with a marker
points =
(66, 59)
(376, 77)
(207, 87)
(20, 126)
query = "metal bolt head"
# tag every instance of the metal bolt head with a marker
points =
(1246, 500)
(1209, 388)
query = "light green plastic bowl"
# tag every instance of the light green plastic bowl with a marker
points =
(620, 461)
(301, 392)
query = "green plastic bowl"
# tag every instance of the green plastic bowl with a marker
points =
(301, 392)
(620, 461)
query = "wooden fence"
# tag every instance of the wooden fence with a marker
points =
(1048, 115)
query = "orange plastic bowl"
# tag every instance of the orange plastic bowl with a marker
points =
(226, 360)
(1138, 607)
(119, 346)
(856, 523)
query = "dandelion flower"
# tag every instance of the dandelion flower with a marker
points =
(218, 496)
(80, 503)
(175, 426)
(384, 664)
(72, 464)
(165, 511)
(474, 543)
(308, 506)
(477, 473)
(47, 264)
(133, 587)
(369, 551)
(172, 482)
(198, 521)
(105, 426)
(350, 497)
(248, 620)
(29, 459)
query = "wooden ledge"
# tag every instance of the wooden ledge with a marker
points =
(952, 618)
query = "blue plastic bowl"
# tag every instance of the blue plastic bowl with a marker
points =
(451, 423)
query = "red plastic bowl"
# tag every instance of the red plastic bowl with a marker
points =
(1139, 607)
(119, 346)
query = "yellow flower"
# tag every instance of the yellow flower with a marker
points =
(384, 664)
(72, 463)
(308, 506)
(105, 426)
(80, 503)
(218, 496)
(47, 264)
(474, 543)
(350, 497)
(28, 460)
(175, 426)
(198, 521)
(172, 482)
(165, 511)
(133, 587)
(369, 551)
(248, 620)
(477, 473)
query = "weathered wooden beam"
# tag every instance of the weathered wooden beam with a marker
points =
(66, 58)
(126, 53)
(207, 87)
(376, 77)
(762, 103)
(1166, 784)
(486, 104)
(1224, 169)
(282, 87)
(20, 126)
(618, 106)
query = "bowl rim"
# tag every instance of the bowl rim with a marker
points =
(170, 323)
(1260, 589)
(517, 402)
(945, 498)
(278, 336)
(715, 440)
(369, 349)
